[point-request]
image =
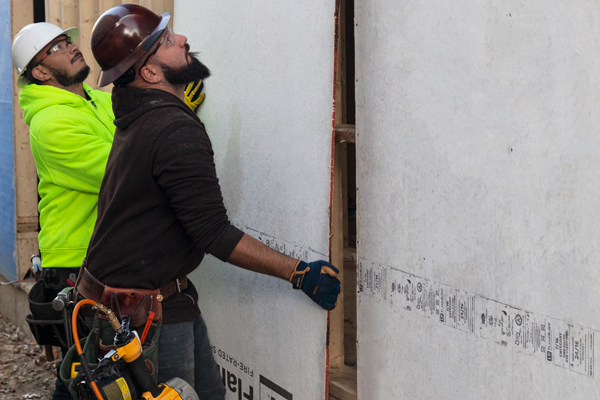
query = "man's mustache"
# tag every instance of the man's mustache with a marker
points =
(75, 56)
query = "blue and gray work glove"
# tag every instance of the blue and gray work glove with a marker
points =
(319, 281)
(193, 94)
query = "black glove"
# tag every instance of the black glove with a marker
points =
(319, 281)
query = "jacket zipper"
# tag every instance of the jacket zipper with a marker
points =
(96, 112)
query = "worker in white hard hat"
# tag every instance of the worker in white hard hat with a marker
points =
(71, 134)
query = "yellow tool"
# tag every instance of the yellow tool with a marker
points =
(75, 368)
(111, 382)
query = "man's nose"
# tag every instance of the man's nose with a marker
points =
(182, 39)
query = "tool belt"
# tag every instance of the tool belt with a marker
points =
(135, 303)
(97, 343)
(48, 325)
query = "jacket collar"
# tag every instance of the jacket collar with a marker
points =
(131, 103)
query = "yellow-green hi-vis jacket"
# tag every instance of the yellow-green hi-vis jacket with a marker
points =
(70, 139)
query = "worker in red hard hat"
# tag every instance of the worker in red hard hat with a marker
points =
(160, 207)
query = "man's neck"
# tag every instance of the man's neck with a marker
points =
(76, 88)
(178, 91)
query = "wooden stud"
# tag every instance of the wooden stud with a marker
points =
(154, 5)
(54, 12)
(336, 331)
(27, 245)
(169, 5)
(27, 224)
(345, 133)
(344, 167)
(70, 16)
(25, 172)
(160, 7)
(336, 328)
(105, 5)
(89, 11)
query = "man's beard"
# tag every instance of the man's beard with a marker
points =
(67, 80)
(193, 71)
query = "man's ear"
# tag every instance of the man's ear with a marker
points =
(151, 73)
(40, 73)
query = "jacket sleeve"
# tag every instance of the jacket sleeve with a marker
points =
(184, 168)
(73, 156)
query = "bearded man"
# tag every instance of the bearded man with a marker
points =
(71, 134)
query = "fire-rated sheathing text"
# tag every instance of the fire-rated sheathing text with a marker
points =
(283, 246)
(547, 339)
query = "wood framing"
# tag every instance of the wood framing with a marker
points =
(89, 11)
(336, 328)
(169, 5)
(25, 172)
(104, 5)
(53, 12)
(70, 15)
(342, 379)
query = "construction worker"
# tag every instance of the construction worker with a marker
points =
(160, 207)
(71, 133)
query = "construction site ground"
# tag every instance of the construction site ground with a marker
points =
(24, 371)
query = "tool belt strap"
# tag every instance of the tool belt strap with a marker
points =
(136, 303)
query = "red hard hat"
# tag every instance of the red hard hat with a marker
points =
(121, 36)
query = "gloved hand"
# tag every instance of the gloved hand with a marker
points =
(193, 95)
(319, 281)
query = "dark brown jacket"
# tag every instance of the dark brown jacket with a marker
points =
(160, 207)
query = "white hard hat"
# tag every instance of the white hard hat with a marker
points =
(30, 40)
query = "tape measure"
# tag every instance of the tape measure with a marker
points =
(75, 368)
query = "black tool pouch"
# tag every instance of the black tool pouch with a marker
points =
(89, 347)
(95, 345)
(46, 324)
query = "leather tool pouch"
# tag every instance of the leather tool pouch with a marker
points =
(135, 303)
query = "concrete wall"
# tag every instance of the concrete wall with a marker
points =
(268, 111)
(8, 265)
(478, 165)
